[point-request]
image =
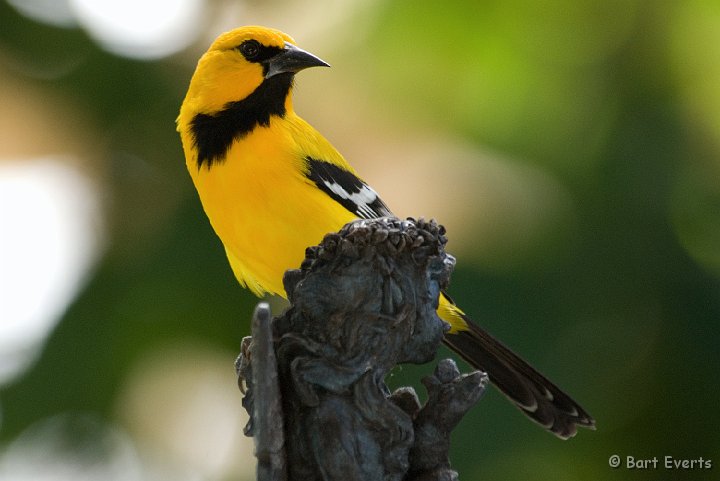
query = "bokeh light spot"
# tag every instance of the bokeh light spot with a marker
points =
(695, 212)
(138, 28)
(181, 404)
(71, 447)
(50, 238)
(53, 12)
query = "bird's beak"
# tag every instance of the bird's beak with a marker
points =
(291, 60)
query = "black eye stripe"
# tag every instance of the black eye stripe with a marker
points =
(254, 51)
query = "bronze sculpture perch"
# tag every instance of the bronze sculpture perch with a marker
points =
(363, 301)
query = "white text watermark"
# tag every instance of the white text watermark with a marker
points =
(659, 462)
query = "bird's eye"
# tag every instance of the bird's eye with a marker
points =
(250, 49)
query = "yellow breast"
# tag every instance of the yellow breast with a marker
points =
(261, 205)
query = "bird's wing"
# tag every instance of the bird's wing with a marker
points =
(346, 189)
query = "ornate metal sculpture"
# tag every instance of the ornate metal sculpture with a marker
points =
(363, 301)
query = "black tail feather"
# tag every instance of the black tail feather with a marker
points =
(535, 395)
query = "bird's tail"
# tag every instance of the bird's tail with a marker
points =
(535, 395)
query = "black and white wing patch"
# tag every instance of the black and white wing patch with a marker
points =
(345, 188)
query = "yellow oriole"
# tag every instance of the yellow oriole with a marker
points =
(271, 186)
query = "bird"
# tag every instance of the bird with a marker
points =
(271, 185)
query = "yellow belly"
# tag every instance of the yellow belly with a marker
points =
(265, 211)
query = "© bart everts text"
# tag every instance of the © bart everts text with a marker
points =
(666, 462)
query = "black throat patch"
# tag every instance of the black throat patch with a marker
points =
(213, 134)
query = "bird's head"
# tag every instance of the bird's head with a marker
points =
(241, 83)
(240, 61)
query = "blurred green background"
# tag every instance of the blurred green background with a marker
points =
(572, 149)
